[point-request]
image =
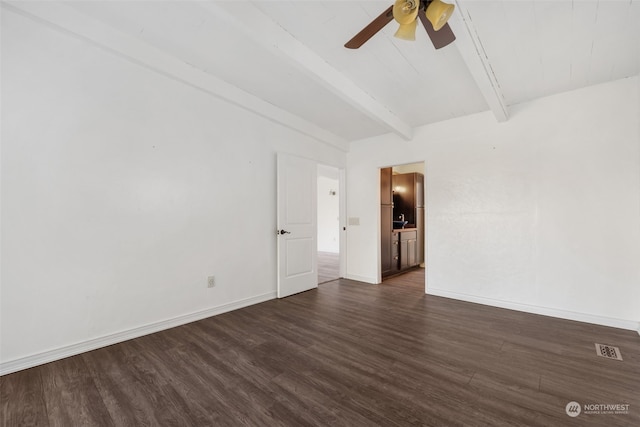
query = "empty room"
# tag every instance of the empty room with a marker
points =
(176, 174)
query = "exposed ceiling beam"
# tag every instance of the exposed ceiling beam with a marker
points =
(70, 21)
(252, 22)
(477, 61)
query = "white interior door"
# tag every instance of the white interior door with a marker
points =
(297, 212)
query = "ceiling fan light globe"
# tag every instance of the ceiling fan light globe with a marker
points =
(405, 11)
(407, 31)
(438, 13)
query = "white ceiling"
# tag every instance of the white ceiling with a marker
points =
(285, 60)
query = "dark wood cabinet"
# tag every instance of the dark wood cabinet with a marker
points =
(386, 254)
(420, 241)
(419, 189)
(408, 197)
(385, 186)
(395, 253)
(408, 249)
(401, 194)
(412, 253)
(387, 265)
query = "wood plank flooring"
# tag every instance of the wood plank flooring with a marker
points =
(345, 354)
(328, 266)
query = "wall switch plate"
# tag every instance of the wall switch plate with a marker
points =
(211, 282)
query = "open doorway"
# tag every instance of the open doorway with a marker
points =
(402, 219)
(329, 227)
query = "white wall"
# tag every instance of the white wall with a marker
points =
(540, 213)
(122, 190)
(328, 214)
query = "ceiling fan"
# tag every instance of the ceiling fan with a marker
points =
(433, 14)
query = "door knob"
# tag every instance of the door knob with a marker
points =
(284, 232)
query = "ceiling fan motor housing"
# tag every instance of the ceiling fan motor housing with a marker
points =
(433, 14)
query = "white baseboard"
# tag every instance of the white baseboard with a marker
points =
(93, 344)
(372, 281)
(545, 311)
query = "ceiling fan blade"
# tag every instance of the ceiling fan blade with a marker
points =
(439, 38)
(371, 29)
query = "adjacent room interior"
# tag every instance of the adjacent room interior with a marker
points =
(402, 219)
(328, 224)
(144, 250)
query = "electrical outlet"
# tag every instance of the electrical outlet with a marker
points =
(211, 282)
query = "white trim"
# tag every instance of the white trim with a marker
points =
(370, 280)
(343, 221)
(118, 337)
(545, 311)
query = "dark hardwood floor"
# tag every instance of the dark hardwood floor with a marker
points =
(346, 354)
(328, 266)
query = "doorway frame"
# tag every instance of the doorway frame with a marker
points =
(426, 213)
(342, 217)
